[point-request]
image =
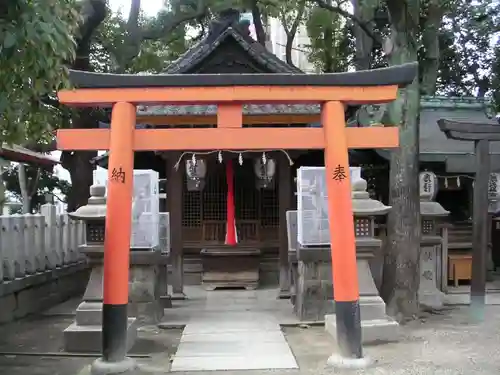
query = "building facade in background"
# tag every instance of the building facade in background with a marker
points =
(277, 42)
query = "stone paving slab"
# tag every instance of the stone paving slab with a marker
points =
(236, 338)
(253, 348)
(245, 362)
(221, 349)
(230, 338)
(208, 327)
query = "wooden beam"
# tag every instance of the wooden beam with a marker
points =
(472, 136)
(468, 127)
(285, 186)
(212, 119)
(230, 116)
(174, 207)
(480, 224)
(234, 94)
(228, 139)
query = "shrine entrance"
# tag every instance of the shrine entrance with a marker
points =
(205, 210)
(230, 92)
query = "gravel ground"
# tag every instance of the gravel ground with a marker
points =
(446, 343)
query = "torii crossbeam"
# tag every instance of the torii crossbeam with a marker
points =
(230, 92)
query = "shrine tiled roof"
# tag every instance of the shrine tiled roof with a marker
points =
(221, 31)
(255, 50)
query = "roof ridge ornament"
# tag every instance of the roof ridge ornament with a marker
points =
(225, 18)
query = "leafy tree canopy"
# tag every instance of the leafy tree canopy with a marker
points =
(36, 42)
(40, 181)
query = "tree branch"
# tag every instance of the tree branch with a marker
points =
(93, 14)
(176, 20)
(257, 21)
(42, 147)
(35, 184)
(362, 25)
(430, 41)
(133, 39)
(47, 100)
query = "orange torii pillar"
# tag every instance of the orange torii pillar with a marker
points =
(230, 92)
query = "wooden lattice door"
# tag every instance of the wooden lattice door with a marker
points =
(204, 212)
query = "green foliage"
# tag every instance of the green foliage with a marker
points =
(36, 40)
(39, 181)
(469, 61)
(332, 43)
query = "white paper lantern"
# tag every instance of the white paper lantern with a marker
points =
(264, 172)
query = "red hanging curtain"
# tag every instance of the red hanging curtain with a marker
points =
(230, 213)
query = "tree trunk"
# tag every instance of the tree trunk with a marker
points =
(23, 187)
(257, 21)
(401, 264)
(329, 57)
(289, 48)
(291, 30)
(81, 172)
(3, 164)
(430, 40)
(364, 10)
(79, 163)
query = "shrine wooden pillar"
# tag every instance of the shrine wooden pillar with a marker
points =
(285, 187)
(481, 135)
(174, 189)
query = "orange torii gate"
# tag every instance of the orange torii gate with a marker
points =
(230, 92)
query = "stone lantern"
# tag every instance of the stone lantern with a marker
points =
(84, 335)
(375, 324)
(431, 257)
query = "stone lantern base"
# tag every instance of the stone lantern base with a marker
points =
(85, 334)
(147, 285)
(376, 326)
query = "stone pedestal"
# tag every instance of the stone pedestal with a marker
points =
(291, 223)
(165, 297)
(376, 326)
(313, 284)
(85, 334)
(294, 269)
(146, 285)
(428, 293)
(431, 241)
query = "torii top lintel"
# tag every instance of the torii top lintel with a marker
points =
(230, 92)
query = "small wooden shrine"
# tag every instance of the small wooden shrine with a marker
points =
(197, 189)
